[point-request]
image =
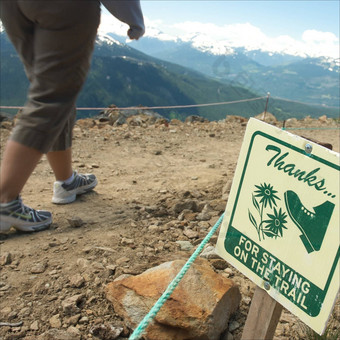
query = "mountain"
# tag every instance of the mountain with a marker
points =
(304, 79)
(123, 76)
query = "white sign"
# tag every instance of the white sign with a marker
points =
(281, 224)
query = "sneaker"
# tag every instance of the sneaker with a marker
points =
(66, 193)
(21, 217)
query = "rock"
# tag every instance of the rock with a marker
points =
(75, 222)
(55, 321)
(75, 332)
(219, 264)
(190, 233)
(185, 245)
(204, 215)
(186, 204)
(187, 215)
(5, 258)
(209, 253)
(34, 326)
(6, 311)
(199, 307)
(72, 320)
(218, 205)
(72, 304)
(77, 281)
(38, 268)
(323, 119)
(106, 331)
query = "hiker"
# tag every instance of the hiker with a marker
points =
(55, 41)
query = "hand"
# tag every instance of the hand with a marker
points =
(135, 32)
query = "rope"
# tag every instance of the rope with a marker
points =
(310, 104)
(311, 128)
(137, 333)
(152, 107)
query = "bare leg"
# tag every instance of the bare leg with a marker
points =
(61, 163)
(18, 164)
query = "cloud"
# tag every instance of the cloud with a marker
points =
(314, 43)
(221, 38)
(109, 24)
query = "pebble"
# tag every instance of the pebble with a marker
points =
(209, 253)
(190, 233)
(70, 305)
(77, 281)
(219, 263)
(38, 268)
(34, 326)
(185, 245)
(55, 321)
(5, 259)
(75, 222)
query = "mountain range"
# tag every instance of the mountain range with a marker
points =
(309, 80)
(122, 75)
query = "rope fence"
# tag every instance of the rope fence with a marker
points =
(186, 106)
(153, 107)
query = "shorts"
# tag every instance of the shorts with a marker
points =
(55, 41)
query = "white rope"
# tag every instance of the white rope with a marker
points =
(151, 107)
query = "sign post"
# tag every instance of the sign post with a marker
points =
(263, 316)
(281, 224)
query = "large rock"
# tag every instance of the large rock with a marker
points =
(199, 308)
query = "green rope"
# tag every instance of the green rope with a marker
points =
(173, 284)
(311, 128)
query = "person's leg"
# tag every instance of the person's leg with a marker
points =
(17, 165)
(61, 163)
(40, 34)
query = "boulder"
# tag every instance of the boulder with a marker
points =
(199, 307)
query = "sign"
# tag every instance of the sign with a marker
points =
(281, 224)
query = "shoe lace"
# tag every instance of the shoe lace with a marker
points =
(24, 208)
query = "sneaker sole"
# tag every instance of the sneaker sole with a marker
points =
(7, 223)
(73, 194)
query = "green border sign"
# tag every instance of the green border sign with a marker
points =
(281, 225)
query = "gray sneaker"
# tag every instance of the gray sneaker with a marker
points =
(67, 193)
(21, 217)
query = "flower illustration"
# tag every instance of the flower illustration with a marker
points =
(275, 224)
(264, 201)
(267, 194)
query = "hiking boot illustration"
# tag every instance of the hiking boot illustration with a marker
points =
(313, 225)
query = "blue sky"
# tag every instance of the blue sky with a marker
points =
(272, 17)
(294, 27)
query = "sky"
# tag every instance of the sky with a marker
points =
(292, 26)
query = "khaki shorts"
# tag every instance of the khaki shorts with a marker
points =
(54, 40)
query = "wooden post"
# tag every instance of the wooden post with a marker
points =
(263, 316)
